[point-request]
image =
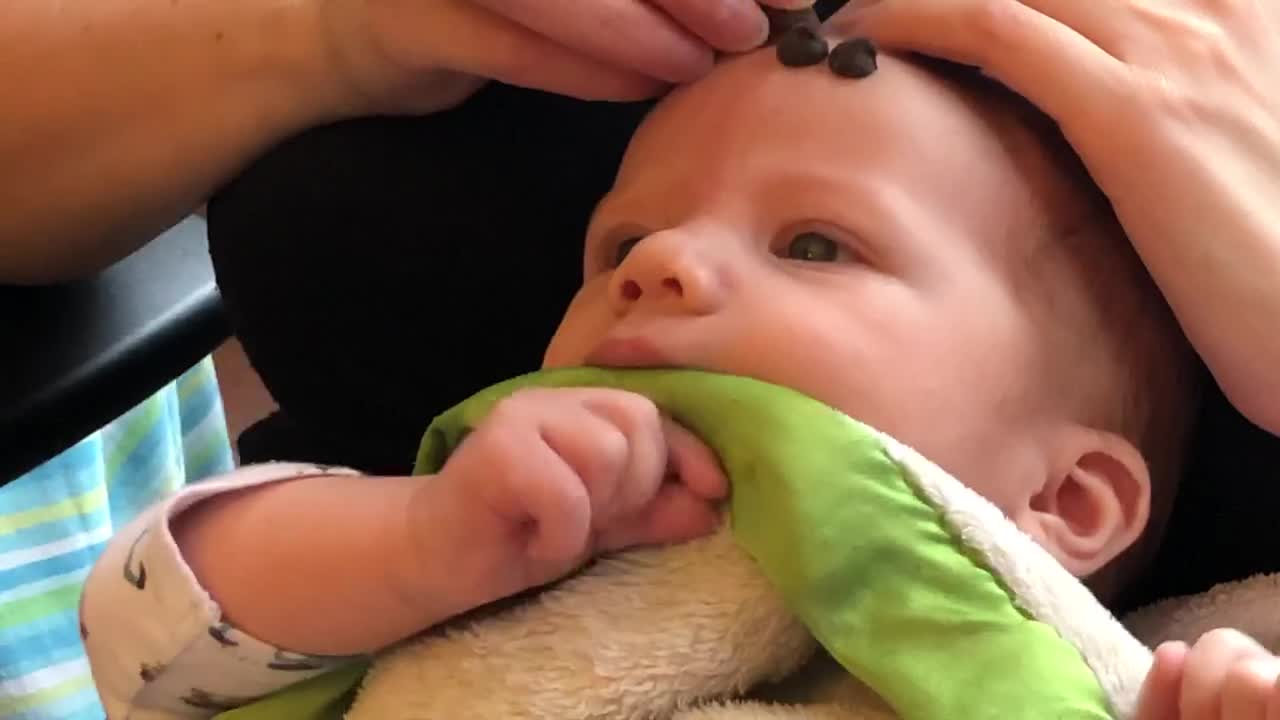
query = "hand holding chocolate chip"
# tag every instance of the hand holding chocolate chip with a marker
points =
(1175, 109)
(598, 50)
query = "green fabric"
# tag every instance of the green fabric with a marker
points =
(324, 697)
(856, 552)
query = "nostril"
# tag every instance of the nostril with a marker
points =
(673, 285)
(631, 290)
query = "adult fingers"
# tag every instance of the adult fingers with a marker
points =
(626, 34)
(1061, 71)
(489, 45)
(1159, 698)
(1100, 21)
(725, 25)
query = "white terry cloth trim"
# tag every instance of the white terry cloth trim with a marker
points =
(1042, 587)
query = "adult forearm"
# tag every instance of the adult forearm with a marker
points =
(120, 116)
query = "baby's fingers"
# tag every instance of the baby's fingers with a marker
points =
(1217, 668)
(693, 464)
(676, 515)
(681, 508)
(1249, 688)
(1273, 702)
(1159, 699)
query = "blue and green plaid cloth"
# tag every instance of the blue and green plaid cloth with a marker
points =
(55, 520)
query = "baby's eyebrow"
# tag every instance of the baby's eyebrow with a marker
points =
(639, 196)
(885, 214)
(811, 178)
(604, 208)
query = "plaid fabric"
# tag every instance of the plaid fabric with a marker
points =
(56, 519)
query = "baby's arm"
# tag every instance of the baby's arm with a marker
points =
(333, 564)
(232, 590)
(238, 587)
(1224, 676)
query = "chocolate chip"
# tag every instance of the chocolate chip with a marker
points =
(854, 58)
(780, 21)
(801, 47)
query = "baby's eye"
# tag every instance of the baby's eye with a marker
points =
(813, 247)
(624, 249)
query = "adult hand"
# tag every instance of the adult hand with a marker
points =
(414, 55)
(1174, 108)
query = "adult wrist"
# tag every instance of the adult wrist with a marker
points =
(367, 77)
(292, 55)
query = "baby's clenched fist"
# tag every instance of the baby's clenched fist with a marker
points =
(552, 477)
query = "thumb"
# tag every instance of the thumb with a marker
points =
(675, 515)
(1162, 688)
(692, 463)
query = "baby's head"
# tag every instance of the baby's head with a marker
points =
(914, 249)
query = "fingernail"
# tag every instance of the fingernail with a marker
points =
(782, 21)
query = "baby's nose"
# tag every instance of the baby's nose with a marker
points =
(631, 289)
(660, 269)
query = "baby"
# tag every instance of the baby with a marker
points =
(914, 248)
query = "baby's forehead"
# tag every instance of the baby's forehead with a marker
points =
(906, 128)
(757, 89)
(752, 106)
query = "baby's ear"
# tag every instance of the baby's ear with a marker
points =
(1094, 502)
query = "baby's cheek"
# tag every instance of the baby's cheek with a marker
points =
(579, 329)
(559, 352)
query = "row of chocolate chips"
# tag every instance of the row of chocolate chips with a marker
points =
(800, 44)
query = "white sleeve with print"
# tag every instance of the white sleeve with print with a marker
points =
(155, 639)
